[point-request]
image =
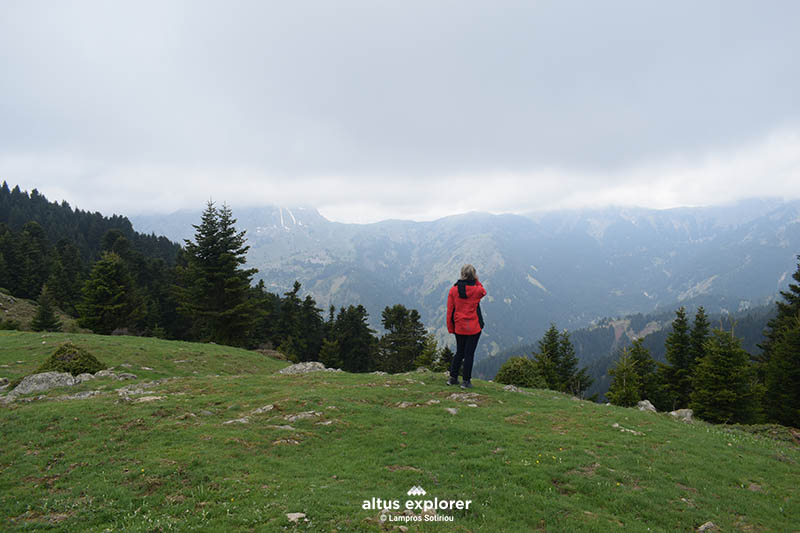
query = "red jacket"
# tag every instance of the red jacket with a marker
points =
(463, 313)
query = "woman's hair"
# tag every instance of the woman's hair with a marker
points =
(468, 272)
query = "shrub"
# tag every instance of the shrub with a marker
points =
(521, 372)
(73, 359)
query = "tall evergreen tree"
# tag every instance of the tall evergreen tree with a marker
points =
(676, 375)
(724, 382)
(782, 377)
(34, 255)
(645, 367)
(626, 384)
(214, 291)
(109, 299)
(443, 360)
(788, 311)
(45, 318)
(404, 342)
(546, 360)
(355, 339)
(701, 330)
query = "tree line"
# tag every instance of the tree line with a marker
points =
(132, 284)
(710, 372)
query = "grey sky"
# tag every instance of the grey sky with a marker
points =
(371, 110)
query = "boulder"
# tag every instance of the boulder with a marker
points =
(645, 405)
(708, 526)
(303, 368)
(684, 415)
(43, 382)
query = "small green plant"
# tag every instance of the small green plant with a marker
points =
(520, 371)
(73, 359)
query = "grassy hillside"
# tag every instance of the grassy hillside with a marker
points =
(163, 458)
(22, 311)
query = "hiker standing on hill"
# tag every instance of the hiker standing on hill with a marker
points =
(465, 320)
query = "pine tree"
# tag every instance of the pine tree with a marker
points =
(676, 375)
(626, 384)
(427, 357)
(354, 339)
(215, 287)
(724, 382)
(788, 311)
(109, 300)
(546, 360)
(45, 318)
(444, 360)
(557, 364)
(782, 377)
(697, 338)
(329, 354)
(645, 368)
(404, 342)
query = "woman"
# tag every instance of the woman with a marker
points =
(465, 320)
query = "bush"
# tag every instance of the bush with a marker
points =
(72, 359)
(521, 372)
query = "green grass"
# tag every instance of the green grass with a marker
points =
(538, 461)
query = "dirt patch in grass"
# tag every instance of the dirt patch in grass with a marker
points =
(396, 468)
(586, 470)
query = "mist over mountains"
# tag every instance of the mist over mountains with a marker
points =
(566, 267)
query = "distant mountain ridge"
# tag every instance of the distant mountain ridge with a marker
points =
(566, 267)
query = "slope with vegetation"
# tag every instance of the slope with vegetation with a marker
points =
(210, 437)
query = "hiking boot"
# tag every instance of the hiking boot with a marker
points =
(452, 381)
(466, 385)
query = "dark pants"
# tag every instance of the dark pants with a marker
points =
(465, 351)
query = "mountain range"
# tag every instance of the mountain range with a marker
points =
(571, 268)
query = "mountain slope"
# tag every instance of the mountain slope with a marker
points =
(565, 267)
(177, 455)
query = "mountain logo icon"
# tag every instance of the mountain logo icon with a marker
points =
(416, 491)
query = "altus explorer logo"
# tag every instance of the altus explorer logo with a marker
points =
(429, 508)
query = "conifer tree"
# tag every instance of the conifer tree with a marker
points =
(788, 311)
(45, 318)
(676, 375)
(697, 338)
(109, 299)
(724, 382)
(645, 367)
(357, 342)
(404, 342)
(329, 354)
(546, 360)
(215, 286)
(444, 360)
(626, 384)
(782, 377)
(427, 357)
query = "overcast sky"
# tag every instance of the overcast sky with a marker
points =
(371, 110)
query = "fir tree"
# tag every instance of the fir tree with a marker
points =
(645, 367)
(329, 354)
(724, 382)
(444, 360)
(215, 286)
(626, 384)
(782, 377)
(404, 342)
(557, 364)
(546, 360)
(676, 375)
(45, 318)
(354, 339)
(427, 357)
(697, 338)
(788, 311)
(109, 300)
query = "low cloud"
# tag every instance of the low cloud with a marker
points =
(769, 167)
